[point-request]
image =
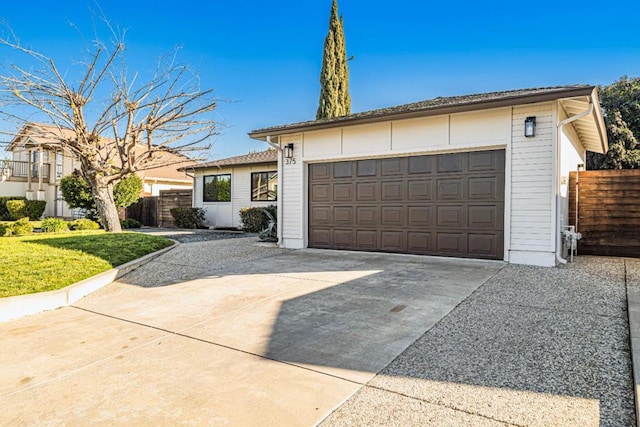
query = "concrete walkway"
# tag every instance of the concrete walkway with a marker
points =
(227, 332)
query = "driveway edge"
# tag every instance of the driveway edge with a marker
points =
(18, 306)
(633, 311)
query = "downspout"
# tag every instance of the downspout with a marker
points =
(280, 181)
(566, 121)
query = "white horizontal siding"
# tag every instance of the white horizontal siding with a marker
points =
(293, 188)
(531, 180)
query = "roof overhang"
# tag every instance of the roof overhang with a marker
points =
(384, 115)
(590, 127)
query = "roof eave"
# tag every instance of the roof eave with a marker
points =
(210, 166)
(261, 134)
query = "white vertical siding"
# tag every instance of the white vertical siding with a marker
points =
(294, 204)
(532, 183)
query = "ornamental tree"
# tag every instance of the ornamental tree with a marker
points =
(335, 100)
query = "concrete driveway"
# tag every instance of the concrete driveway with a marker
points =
(226, 332)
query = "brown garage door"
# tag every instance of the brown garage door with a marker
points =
(446, 204)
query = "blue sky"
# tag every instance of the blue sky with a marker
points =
(263, 58)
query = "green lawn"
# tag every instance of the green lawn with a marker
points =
(45, 262)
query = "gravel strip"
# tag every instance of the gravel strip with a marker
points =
(190, 236)
(532, 346)
(205, 253)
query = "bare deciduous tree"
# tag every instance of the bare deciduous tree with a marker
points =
(114, 124)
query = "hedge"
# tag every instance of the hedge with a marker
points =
(254, 219)
(188, 217)
(4, 212)
(33, 209)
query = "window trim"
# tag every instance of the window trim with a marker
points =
(204, 188)
(275, 199)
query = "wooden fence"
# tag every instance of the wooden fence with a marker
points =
(155, 211)
(170, 199)
(608, 211)
(145, 211)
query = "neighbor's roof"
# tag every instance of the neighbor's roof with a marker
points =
(434, 106)
(267, 156)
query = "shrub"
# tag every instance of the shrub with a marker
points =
(188, 217)
(83, 224)
(54, 225)
(255, 220)
(4, 212)
(22, 227)
(5, 230)
(130, 223)
(33, 209)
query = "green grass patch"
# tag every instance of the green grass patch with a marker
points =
(38, 263)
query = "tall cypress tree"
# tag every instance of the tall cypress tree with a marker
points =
(335, 100)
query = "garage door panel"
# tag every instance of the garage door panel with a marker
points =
(367, 215)
(446, 204)
(421, 216)
(483, 161)
(343, 170)
(393, 216)
(485, 245)
(366, 192)
(453, 244)
(392, 241)
(321, 215)
(320, 193)
(366, 240)
(366, 168)
(320, 171)
(485, 217)
(343, 238)
(392, 190)
(420, 164)
(484, 188)
(419, 189)
(320, 238)
(420, 243)
(395, 166)
(450, 216)
(343, 192)
(448, 163)
(450, 189)
(343, 216)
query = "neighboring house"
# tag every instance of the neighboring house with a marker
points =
(223, 187)
(37, 167)
(450, 176)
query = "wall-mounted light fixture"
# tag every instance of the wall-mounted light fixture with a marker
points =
(288, 151)
(530, 126)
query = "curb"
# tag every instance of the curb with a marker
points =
(18, 306)
(633, 312)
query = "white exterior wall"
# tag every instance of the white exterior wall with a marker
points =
(532, 231)
(530, 170)
(572, 153)
(227, 214)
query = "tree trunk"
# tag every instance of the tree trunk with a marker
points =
(106, 206)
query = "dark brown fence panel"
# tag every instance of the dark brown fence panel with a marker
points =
(145, 211)
(608, 211)
(170, 199)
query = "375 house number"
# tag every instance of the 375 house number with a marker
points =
(291, 161)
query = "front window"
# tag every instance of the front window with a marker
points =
(217, 188)
(264, 186)
(59, 159)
